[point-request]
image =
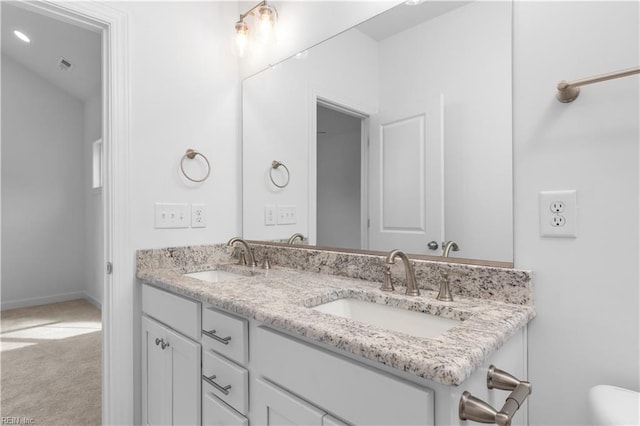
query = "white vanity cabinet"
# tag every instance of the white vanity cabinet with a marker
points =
(204, 365)
(170, 359)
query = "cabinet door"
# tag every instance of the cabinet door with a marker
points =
(275, 407)
(170, 376)
(156, 377)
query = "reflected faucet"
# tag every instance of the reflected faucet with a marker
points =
(448, 246)
(412, 286)
(294, 237)
(250, 259)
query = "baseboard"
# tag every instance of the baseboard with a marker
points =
(95, 302)
(35, 301)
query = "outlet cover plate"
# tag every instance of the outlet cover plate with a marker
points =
(198, 215)
(555, 223)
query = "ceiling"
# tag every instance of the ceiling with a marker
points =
(52, 40)
(403, 17)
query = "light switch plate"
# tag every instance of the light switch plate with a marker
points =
(287, 215)
(172, 215)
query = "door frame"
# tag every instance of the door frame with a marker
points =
(354, 109)
(118, 388)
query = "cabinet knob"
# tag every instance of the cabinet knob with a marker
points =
(432, 245)
(160, 342)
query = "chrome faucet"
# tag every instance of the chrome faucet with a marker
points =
(294, 237)
(449, 246)
(412, 286)
(251, 260)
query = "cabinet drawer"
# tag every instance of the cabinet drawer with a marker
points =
(225, 334)
(177, 312)
(323, 377)
(226, 380)
(217, 413)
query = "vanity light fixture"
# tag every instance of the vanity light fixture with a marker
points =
(22, 36)
(266, 19)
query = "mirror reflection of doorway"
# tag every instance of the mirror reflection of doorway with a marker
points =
(340, 190)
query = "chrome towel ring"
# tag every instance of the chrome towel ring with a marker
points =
(274, 165)
(191, 154)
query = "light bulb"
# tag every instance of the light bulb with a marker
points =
(266, 21)
(242, 37)
(22, 36)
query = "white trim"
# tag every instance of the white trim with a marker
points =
(35, 301)
(118, 387)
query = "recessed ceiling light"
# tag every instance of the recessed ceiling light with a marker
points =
(22, 36)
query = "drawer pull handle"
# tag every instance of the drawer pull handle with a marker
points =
(223, 389)
(213, 335)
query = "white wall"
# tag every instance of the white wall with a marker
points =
(184, 94)
(585, 289)
(42, 190)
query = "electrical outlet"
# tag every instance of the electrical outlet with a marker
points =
(198, 215)
(558, 214)
(172, 215)
(269, 214)
(558, 220)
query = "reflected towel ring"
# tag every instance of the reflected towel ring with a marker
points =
(274, 165)
(191, 154)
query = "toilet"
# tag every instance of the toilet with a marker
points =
(611, 405)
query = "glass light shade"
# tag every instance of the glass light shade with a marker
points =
(242, 37)
(267, 17)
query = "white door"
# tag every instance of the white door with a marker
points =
(405, 198)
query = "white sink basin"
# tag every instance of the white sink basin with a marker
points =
(215, 276)
(417, 324)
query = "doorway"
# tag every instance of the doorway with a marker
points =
(53, 225)
(340, 177)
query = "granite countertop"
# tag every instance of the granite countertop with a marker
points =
(281, 298)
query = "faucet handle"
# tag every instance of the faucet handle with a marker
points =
(387, 285)
(241, 259)
(265, 264)
(444, 294)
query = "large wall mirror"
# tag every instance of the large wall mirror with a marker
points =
(394, 134)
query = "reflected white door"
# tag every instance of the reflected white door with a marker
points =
(405, 201)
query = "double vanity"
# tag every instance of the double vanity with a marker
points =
(314, 339)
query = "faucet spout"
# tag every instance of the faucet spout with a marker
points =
(251, 260)
(295, 237)
(449, 246)
(412, 286)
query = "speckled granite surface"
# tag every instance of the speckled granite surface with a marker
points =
(281, 297)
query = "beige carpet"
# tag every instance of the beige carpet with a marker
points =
(51, 364)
